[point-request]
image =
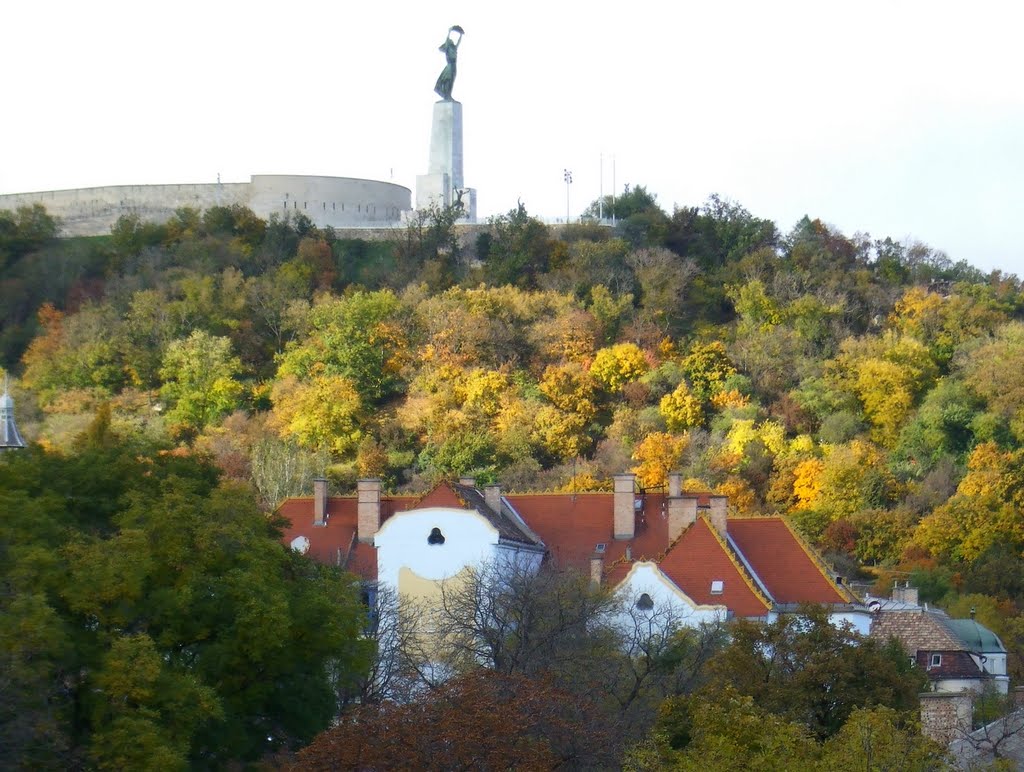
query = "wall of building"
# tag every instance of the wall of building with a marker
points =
(338, 202)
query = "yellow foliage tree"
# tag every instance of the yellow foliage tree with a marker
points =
(807, 482)
(742, 498)
(680, 409)
(984, 511)
(320, 413)
(658, 454)
(615, 366)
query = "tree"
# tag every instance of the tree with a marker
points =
(200, 380)
(362, 337)
(808, 670)
(160, 616)
(320, 413)
(617, 365)
(481, 720)
(518, 249)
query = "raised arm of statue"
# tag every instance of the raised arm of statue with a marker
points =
(450, 49)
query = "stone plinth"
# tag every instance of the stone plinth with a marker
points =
(442, 185)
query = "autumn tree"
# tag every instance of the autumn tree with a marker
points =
(810, 671)
(200, 376)
(481, 720)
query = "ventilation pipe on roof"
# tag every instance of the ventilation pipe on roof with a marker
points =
(624, 508)
(682, 513)
(368, 509)
(492, 495)
(320, 501)
(717, 513)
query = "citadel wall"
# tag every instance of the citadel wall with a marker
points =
(339, 202)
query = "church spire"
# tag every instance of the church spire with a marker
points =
(10, 437)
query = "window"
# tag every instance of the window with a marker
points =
(600, 548)
(436, 537)
(644, 602)
(717, 586)
(936, 660)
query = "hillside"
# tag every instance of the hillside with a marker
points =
(868, 389)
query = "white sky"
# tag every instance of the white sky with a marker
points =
(902, 119)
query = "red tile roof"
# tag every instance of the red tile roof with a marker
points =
(571, 526)
(785, 567)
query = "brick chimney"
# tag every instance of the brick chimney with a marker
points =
(320, 501)
(1018, 697)
(682, 512)
(946, 716)
(492, 495)
(368, 509)
(717, 513)
(675, 484)
(625, 511)
(596, 569)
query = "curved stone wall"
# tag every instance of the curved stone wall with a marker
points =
(339, 202)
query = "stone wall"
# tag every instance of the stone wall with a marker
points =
(339, 202)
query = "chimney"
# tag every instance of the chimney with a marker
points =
(596, 569)
(320, 501)
(492, 495)
(717, 512)
(625, 510)
(905, 594)
(469, 482)
(682, 512)
(675, 484)
(946, 716)
(368, 509)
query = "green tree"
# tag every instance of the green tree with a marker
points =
(810, 671)
(158, 615)
(200, 380)
(362, 337)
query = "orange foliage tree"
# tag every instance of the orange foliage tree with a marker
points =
(481, 720)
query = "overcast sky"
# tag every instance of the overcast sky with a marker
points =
(901, 119)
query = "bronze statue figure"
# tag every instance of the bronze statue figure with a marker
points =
(450, 49)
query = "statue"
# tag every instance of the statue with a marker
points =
(450, 49)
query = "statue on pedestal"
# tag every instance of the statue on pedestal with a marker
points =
(450, 49)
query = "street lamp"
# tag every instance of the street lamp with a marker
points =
(568, 182)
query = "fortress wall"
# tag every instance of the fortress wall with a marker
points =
(93, 211)
(338, 202)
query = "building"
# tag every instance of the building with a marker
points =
(957, 654)
(10, 437)
(676, 550)
(337, 202)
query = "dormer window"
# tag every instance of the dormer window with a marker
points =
(436, 537)
(717, 587)
(644, 602)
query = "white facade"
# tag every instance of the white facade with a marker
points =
(645, 583)
(404, 541)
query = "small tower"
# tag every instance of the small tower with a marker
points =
(10, 437)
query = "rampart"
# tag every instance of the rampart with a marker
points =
(338, 202)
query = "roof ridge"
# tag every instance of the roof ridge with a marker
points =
(739, 566)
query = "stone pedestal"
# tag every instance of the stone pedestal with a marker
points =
(443, 184)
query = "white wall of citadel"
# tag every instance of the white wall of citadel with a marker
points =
(339, 202)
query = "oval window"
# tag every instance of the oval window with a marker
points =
(644, 602)
(436, 537)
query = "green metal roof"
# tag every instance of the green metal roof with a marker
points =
(975, 637)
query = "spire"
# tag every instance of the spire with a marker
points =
(10, 437)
